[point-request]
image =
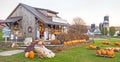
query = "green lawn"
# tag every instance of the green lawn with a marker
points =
(1, 39)
(78, 54)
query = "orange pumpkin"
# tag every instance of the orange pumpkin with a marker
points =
(116, 49)
(106, 42)
(117, 43)
(98, 52)
(90, 46)
(110, 53)
(68, 43)
(31, 54)
(27, 54)
(65, 43)
(93, 47)
(103, 52)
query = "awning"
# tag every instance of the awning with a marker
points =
(12, 19)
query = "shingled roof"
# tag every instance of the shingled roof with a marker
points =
(40, 15)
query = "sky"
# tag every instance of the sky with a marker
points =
(91, 11)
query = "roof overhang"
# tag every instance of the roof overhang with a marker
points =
(13, 19)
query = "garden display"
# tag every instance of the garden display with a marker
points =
(38, 47)
(42, 51)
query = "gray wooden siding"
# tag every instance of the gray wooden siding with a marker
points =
(28, 20)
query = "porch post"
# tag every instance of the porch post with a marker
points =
(46, 32)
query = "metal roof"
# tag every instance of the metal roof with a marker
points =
(46, 10)
(40, 15)
(12, 19)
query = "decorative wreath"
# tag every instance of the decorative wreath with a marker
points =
(29, 29)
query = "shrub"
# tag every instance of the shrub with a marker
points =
(55, 42)
(63, 37)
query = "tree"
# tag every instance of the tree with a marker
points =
(78, 26)
(75, 32)
(112, 31)
(104, 31)
(78, 21)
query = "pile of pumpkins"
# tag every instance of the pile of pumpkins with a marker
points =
(105, 53)
(105, 42)
(74, 42)
(29, 54)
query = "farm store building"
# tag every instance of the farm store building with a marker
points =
(34, 22)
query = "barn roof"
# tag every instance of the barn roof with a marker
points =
(46, 10)
(40, 15)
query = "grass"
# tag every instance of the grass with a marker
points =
(1, 39)
(78, 54)
(6, 48)
(115, 36)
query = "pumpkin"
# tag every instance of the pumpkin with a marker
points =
(103, 52)
(31, 54)
(98, 52)
(106, 43)
(116, 49)
(90, 46)
(65, 43)
(27, 54)
(70, 42)
(84, 40)
(93, 47)
(117, 43)
(110, 53)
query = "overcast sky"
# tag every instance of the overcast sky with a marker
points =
(92, 11)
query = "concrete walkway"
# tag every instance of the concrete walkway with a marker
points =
(9, 53)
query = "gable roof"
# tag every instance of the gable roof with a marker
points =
(39, 14)
(46, 10)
